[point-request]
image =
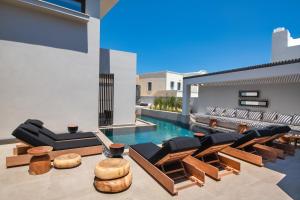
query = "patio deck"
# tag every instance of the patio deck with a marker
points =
(280, 180)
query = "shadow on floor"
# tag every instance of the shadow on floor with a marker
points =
(290, 184)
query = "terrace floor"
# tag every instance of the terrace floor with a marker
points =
(280, 180)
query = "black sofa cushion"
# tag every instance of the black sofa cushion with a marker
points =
(146, 150)
(215, 139)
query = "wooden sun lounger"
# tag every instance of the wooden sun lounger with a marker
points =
(261, 151)
(211, 167)
(20, 156)
(190, 168)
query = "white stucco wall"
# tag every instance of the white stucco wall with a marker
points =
(283, 98)
(49, 67)
(158, 84)
(123, 66)
(284, 47)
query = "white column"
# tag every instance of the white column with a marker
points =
(186, 95)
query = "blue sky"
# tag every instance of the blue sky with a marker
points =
(190, 35)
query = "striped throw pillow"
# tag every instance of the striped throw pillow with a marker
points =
(255, 115)
(243, 114)
(269, 116)
(296, 120)
(219, 111)
(210, 110)
(229, 112)
(283, 119)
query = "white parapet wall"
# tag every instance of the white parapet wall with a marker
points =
(123, 65)
(284, 47)
(49, 66)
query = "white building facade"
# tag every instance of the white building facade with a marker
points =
(50, 63)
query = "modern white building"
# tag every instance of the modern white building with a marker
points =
(284, 47)
(117, 97)
(163, 84)
(277, 83)
(49, 65)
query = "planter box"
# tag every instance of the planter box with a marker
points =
(166, 115)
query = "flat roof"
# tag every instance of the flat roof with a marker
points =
(284, 62)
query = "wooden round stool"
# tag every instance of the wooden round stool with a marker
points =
(40, 162)
(66, 161)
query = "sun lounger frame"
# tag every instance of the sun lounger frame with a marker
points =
(230, 166)
(195, 174)
(20, 156)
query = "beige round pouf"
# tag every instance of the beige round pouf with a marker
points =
(66, 161)
(115, 185)
(112, 168)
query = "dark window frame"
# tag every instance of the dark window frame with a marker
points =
(172, 85)
(149, 86)
(178, 85)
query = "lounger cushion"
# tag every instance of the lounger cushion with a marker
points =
(35, 122)
(66, 136)
(72, 144)
(146, 150)
(283, 119)
(278, 129)
(215, 139)
(246, 137)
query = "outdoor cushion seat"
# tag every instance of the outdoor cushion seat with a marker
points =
(215, 139)
(31, 135)
(154, 154)
(278, 129)
(61, 136)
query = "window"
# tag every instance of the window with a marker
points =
(172, 85)
(77, 5)
(178, 86)
(149, 86)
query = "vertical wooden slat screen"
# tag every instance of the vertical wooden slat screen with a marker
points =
(106, 97)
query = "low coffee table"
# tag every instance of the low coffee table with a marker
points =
(40, 162)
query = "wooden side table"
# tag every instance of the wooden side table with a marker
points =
(40, 162)
(242, 127)
(116, 150)
(199, 135)
(213, 122)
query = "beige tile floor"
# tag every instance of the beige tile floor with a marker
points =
(280, 180)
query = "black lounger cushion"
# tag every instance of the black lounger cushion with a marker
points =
(250, 135)
(31, 135)
(72, 144)
(175, 145)
(146, 150)
(35, 122)
(153, 153)
(278, 129)
(215, 139)
(59, 137)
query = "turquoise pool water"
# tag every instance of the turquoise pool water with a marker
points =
(165, 130)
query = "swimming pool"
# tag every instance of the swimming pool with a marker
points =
(165, 130)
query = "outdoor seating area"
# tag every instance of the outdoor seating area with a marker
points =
(232, 118)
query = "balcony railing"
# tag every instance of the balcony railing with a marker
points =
(77, 5)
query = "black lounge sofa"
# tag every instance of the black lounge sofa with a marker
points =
(169, 163)
(60, 136)
(32, 135)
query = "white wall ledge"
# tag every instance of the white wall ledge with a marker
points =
(52, 9)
